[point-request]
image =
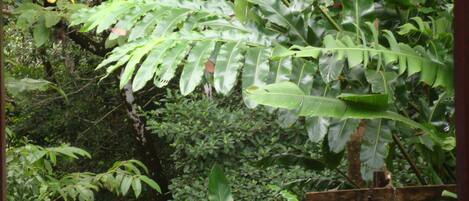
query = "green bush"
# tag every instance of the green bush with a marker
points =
(201, 133)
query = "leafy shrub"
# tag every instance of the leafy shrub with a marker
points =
(202, 133)
(32, 175)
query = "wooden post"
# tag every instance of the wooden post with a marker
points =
(353, 156)
(461, 60)
(417, 193)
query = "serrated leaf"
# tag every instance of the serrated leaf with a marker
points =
(118, 53)
(194, 68)
(129, 20)
(137, 55)
(169, 22)
(170, 63)
(145, 26)
(149, 67)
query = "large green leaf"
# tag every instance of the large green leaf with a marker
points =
(281, 71)
(331, 63)
(276, 12)
(242, 8)
(354, 11)
(330, 68)
(16, 87)
(194, 68)
(218, 186)
(41, 33)
(340, 132)
(371, 101)
(51, 18)
(289, 96)
(303, 74)
(317, 128)
(381, 82)
(256, 70)
(374, 147)
(227, 67)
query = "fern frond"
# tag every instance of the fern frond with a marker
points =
(407, 59)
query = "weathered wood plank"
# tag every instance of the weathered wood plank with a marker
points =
(415, 193)
(461, 61)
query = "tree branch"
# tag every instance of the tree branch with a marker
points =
(87, 43)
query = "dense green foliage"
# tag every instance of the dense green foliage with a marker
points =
(31, 175)
(314, 71)
(204, 132)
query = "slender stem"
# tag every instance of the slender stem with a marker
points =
(409, 160)
(329, 18)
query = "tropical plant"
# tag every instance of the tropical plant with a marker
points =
(384, 67)
(202, 132)
(355, 51)
(32, 175)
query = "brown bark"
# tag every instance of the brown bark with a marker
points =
(48, 69)
(148, 151)
(353, 156)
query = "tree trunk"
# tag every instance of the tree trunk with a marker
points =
(48, 70)
(353, 155)
(147, 150)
